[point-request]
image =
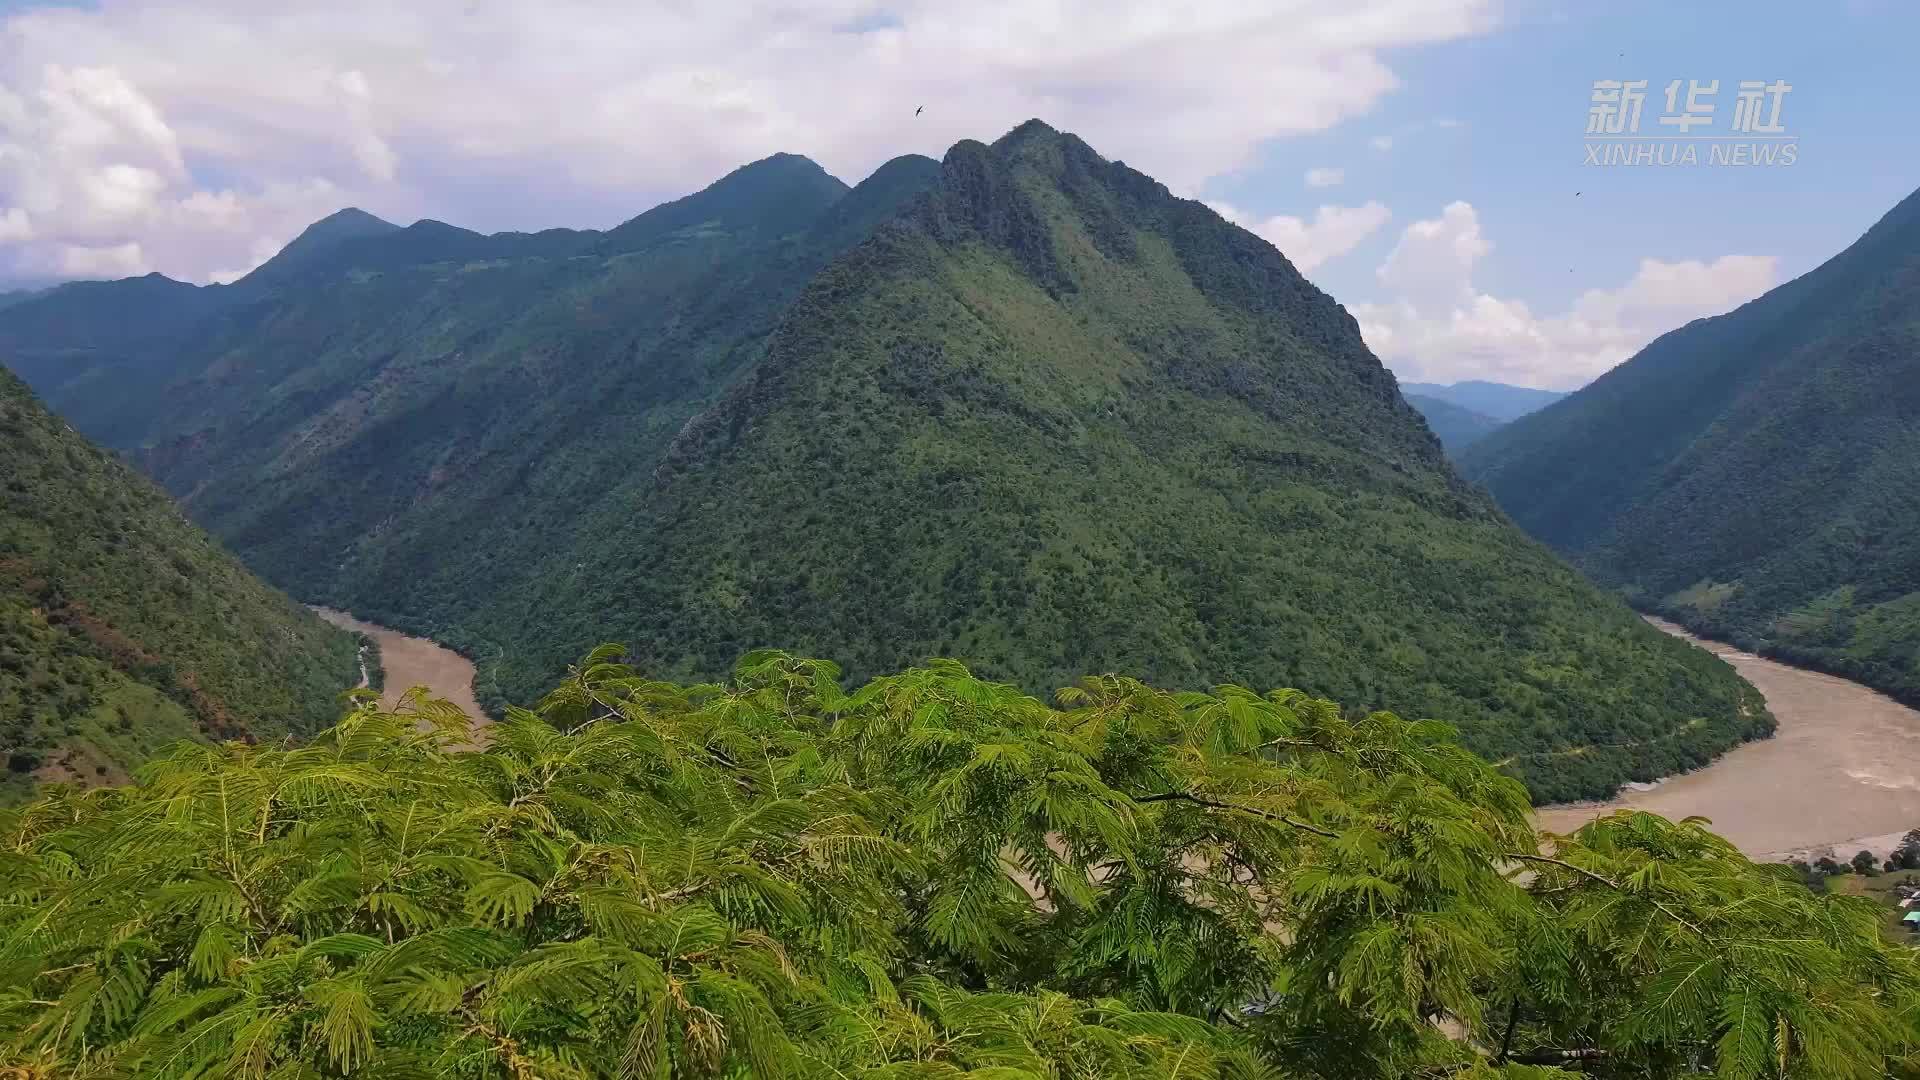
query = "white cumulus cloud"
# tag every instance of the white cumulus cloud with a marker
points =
(126, 121)
(1438, 326)
(1325, 177)
(1334, 230)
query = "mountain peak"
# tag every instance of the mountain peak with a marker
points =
(905, 163)
(780, 174)
(876, 199)
(1028, 131)
(776, 195)
(344, 224)
(350, 219)
(350, 223)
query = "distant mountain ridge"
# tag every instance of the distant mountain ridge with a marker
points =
(1502, 402)
(1751, 475)
(1020, 406)
(1455, 426)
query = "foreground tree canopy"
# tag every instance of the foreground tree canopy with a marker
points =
(933, 876)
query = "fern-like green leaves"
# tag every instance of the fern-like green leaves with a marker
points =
(931, 876)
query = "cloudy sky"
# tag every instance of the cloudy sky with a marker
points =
(1423, 160)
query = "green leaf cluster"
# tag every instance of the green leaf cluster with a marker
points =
(930, 876)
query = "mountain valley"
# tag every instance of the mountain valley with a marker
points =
(1751, 475)
(1021, 407)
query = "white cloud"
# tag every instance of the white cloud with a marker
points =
(1439, 327)
(1325, 177)
(522, 114)
(118, 191)
(1435, 258)
(15, 225)
(114, 261)
(1334, 230)
(1382, 143)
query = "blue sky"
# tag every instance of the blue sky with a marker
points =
(1522, 94)
(195, 137)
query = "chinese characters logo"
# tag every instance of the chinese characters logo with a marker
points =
(1754, 133)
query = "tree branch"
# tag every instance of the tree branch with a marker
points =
(1609, 883)
(1506, 1041)
(1181, 796)
(1553, 1056)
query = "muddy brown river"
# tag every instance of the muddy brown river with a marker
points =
(1842, 771)
(411, 661)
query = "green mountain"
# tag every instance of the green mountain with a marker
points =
(1752, 475)
(123, 627)
(1022, 407)
(1455, 426)
(1499, 401)
(317, 241)
(405, 419)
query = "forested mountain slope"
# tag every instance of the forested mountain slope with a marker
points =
(1046, 418)
(364, 422)
(123, 627)
(1056, 420)
(1753, 475)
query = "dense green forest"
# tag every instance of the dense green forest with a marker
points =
(1021, 407)
(123, 628)
(1455, 426)
(932, 876)
(1752, 475)
(1057, 420)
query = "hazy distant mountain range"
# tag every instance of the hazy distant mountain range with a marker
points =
(1463, 413)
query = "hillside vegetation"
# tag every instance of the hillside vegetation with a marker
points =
(932, 877)
(124, 628)
(1021, 407)
(1057, 420)
(1751, 475)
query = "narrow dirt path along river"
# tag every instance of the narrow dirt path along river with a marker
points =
(1842, 771)
(411, 661)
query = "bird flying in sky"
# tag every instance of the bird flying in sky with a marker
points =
(916, 112)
